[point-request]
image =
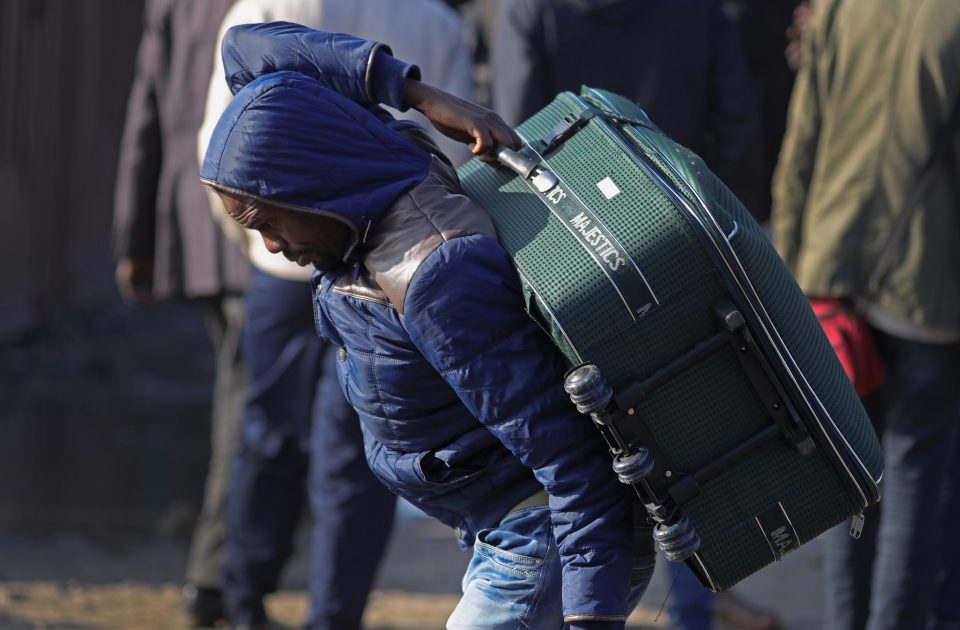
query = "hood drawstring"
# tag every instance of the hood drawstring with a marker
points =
(365, 225)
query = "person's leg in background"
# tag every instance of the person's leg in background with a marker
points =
(848, 562)
(690, 603)
(352, 511)
(223, 317)
(847, 570)
(921, 413)
(692, 606)
(946, 612)
(267, 485)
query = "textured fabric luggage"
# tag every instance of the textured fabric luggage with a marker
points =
(695, 352)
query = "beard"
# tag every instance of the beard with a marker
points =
(323, 260)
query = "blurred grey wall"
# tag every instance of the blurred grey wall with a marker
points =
(104, 408)
(65, 70)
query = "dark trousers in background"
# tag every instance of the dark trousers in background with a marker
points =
(223, 317)
(902, 573)
(300, 436)
(689, 606)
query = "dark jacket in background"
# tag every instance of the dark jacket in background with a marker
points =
(763, 25)
(680, 60)
(161, 211)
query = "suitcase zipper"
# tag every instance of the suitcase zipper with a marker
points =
(856, 525)
(709, 230)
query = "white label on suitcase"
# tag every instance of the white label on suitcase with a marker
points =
(608, 188)
(600, 244)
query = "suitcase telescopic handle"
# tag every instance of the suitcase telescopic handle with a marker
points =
(528, 167)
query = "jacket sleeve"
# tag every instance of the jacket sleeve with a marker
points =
(141, 147)
(791, 178)
(464, 312)
(361, 70)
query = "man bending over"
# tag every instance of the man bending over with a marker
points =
(459, 393)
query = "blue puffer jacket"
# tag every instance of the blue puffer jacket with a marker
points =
(458, 391)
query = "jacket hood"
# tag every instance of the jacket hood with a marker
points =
(286, 139)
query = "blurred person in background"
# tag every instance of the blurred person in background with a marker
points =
(298, 429)
(478, 19)
(768, 32)
(680, 60)
(865, 210)
(168, 248)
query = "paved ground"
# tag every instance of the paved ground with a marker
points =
(82, 581)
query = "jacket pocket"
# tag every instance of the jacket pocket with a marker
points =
(435, 471)
(521, 543)
(422, 475)
(322, 323)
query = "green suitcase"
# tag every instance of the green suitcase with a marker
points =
(692, 348)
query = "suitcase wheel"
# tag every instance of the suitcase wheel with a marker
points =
(632, 468)
(678, 541)
(587, 389)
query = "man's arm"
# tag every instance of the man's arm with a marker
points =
(478, 127)
(342, 63)
(464, 311)
(361, 70)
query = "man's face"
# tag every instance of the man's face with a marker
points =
(302, 238)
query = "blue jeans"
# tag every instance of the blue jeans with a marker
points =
(299, 434)
(902, 572)
(513, 580)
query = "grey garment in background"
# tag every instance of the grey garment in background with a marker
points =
(423, 32)
(479, 17)
(160, 209)
(680, 60)
(224, 320)
(161, 213)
